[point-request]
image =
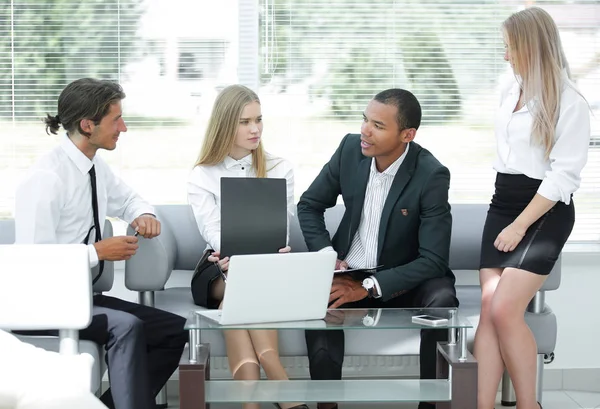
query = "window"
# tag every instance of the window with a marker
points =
(171, 57)
(315, 64)
(321, 62)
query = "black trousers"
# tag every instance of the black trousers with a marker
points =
(143, 348)
(326, 347)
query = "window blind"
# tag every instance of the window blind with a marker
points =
(315, 65)
(171, 58)
(328, 59)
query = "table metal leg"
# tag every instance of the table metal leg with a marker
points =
(508, 397)
(193, 345)
(452, 330)
(463, 345)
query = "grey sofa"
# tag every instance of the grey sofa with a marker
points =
(50, 343)
(179, 247)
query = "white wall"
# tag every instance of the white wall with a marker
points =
(577, 306)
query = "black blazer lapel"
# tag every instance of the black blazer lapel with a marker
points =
(362, 178)
(401, 179)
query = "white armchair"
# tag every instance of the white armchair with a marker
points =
(45, 287)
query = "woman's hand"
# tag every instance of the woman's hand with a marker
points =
(223, 263)
(509, 238)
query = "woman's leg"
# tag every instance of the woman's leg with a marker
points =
(487, 348)
(266, 346)
(243, 362)
(217, 290)
(517, 344)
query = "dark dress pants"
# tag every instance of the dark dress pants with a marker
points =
(143, 348)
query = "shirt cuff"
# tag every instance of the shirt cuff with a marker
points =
(139, 211)
(93, 254)
(328, 248)
(551, 191)
(377, 287)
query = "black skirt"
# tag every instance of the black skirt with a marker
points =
(539, 249)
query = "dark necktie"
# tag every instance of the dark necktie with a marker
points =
(96, 217)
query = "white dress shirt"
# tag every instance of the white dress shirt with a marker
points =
(204, 191)
(54, 201)
(363, 250)
(517, 153)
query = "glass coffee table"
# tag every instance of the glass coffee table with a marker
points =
(456, 386)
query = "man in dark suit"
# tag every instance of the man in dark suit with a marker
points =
(397, 216)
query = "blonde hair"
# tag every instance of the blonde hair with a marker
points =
(223, 126)
(538, 58)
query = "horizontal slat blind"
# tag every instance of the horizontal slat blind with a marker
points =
(327, 59)
(171, 57)
(315, 65)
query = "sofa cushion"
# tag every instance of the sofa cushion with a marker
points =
(177, 300)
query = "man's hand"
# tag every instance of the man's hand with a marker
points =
(338, 317)
(341, 265)
(116, 248)
(345, 289)
(335, 317)
(223, 263)
(146, 226)
(286, 249)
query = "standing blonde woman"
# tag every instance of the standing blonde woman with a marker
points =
(232, 147)
(542, 130)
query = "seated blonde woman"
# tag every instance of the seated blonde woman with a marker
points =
(232, 148)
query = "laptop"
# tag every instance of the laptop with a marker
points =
(266, 288)
(253, 215)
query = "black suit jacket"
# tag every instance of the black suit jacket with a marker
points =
(415, 227)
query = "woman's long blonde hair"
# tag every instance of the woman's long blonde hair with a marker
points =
(538, 58)
(223, 126)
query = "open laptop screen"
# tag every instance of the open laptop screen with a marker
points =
(253, 215)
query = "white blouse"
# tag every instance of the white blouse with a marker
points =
(204, 191)
(518, 154)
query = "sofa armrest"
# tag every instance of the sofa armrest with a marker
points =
(151, 266)
(105, 283)
(553, 281)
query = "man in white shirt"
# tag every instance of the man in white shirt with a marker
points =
(65, 198)
(397, 219)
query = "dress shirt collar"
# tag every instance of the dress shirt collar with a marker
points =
(393, 168)
(83, 163)
(516, 88)
(229, 162)
(515, 92)
(513, 97)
